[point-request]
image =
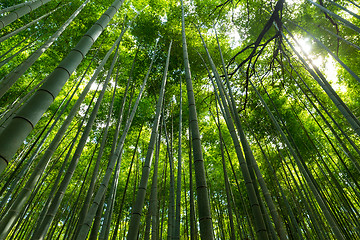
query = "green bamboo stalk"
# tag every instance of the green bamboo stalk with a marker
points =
(345, 9)
(339, 37)
(39, 148)
(56, 182)
(18, 206)
(6, 223)
(178, 185)
(140, 197)
(151, 221)
(248, 152)
(351, 72)
(163, 190)
(342, 144)
(90, 190)
(206, 227)
(116, 134)
(226, 180)
(125, 188)
(254, 201)
(223, 113)
(97, 220)
(315, 192)
(22, 124)
(53, 208)
(147, 223)
(153, 206)
(18, 13)
(289, 210)
(13, 33)
(358, 6)
(8, 9)
(350, 117)
(193, 225)
(27, 46)
(171, 201)
(11, 110)
(346, 23)
(100, 154)
(116, 157)
(7, 81)
(186, 228)
(16, 180)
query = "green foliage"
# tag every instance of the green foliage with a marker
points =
(322, 137)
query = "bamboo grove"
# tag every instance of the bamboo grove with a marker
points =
(179, 120)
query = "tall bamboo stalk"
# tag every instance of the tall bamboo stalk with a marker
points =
(45, 224)
(13, 33)
(153, 206)
(350, 117)
(254, 201)
(206, 227)
(8, 9)
(6, 223)
(21, 125)
(318, 197)
(7, 81)
(171, 201)
(179, 168)
(18, 13)
(140, 196)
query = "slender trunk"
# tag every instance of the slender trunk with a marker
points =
(28, 25)
(162, 198)
(18, 44)
(97, 220)
(318, 197)
(350, 117)
(43, 227)
(39, 148)
(6, 223)
(27, 46)
(178, 185)
(193, 225)
(17, 180)
(8, 9)
(56, 183)
(358, 6)
(22, 124)
(206, 227)
(226, 180)
(104, 234)
(140, 197)
(153, 207)
(125, 189)
(15, 74)
(345, 9)
(294, 224)
(90, 190)
(11, 110)
(115, 140)
(116, 157)
(250, 185)
(18, 13)
(346, 23)
(250, 156)
(171, 202)
(346, 150)
(24, 194)
(351, 72)
(147, 223)
(186, 228)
